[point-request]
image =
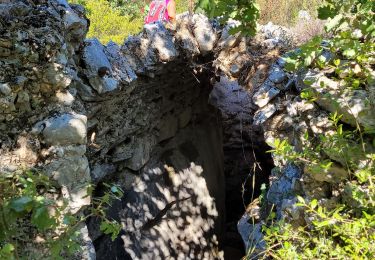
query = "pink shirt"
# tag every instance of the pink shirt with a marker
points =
(166, 10)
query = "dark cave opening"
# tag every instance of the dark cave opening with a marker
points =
(246, 170)
(245, 165)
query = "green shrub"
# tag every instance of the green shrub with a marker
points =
(107, 23)
(346, 231)
(115, 20)
(36, 224)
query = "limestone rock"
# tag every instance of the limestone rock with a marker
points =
(65, 129)
(333, 96)
(65, 98)
(184, 118)
(75, 24)
(276, 36)
(142, 149)
(283, 184)
(264, 114)
(87, 251)
(291, 212)
(230, 97)
(265, 94)
(149, 49)
(251, 234)
(204, 33)
(99, 171)
(5, 89)
(168, 127)
(120, 67)
(96, 62)
(187, 40)
(72, 173)
(161, 42)
(228, 40)
(277, 75)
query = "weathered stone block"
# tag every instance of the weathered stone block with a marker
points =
(264, 114)
(65, 129)
(265, 94)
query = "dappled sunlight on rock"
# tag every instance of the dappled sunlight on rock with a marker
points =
(174, 220)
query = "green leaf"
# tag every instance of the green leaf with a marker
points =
(110, 227)
(327, 11)
(7, 249)
(301, 200)
(333, 23)
(6, 252)
(314, 203)
(23, 204)
(350, 53)
(336, 62)
(41, 219)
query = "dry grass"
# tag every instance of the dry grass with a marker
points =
(285, 12)
(305, 30)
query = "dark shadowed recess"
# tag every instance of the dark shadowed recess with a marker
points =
(246, 164)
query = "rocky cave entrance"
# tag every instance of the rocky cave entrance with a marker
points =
(171, 119)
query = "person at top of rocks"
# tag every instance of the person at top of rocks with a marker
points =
(162, 11)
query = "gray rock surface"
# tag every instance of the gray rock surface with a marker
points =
(353, 105)
(204, 33)
(265, 94)
(264, 114)
(98, 68)
(65, 129)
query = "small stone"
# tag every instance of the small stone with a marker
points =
(64, 98)
(277, 75)
(20, 81)
(5, 89)
(281, 62)
(99, 171)
(168, 127)
(265, 94)
(184, 118)
(251, 234)
(94, 58)
(264, 114)
(142, 149)
(72, 173)
(234, 70)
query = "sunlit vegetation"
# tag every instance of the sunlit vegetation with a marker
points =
(115, 20)
(36, 223)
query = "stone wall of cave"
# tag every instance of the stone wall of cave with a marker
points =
(165, 122)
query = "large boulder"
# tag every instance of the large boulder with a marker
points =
(64, 129)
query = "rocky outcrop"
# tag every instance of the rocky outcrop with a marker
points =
(164, 116)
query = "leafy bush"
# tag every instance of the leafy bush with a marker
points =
(107, 23)
(347, 230)
(35, 223)
(245, 11)
(115, 20)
